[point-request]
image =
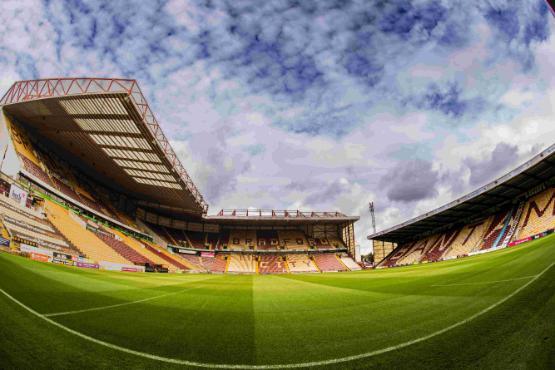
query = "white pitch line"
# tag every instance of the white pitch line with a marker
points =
(277, 366)
(53, 314)
(487, 282)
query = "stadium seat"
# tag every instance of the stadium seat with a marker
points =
(212, 240)
(45, 237)
(168, 234)
(271, 264)
(415, 253)
(242, 240)
(441, 244)
(92, 204)
(224, 240)
(293, 239)
(397, 254)
(22, 145)
(538, 214)
(320, 243)
(336, 242)
(196, 239)
(84, 240)
(329, 262)
(29, 225)
(469, 239)
(300, 263)
(267, 239)
(194, 262)
(494, 229)
(124, 250)
(140, 248)
(35, 170)
(170, 259)
(350, 263)
(64, 188)
(241, 263)
(23, 214)
(215, 264)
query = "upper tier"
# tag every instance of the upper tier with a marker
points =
(105, 127)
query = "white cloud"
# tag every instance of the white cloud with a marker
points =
(280, 107)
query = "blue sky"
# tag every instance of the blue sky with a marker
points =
(320, 105)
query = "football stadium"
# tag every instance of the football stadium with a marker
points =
(112, 258)
(277, 184)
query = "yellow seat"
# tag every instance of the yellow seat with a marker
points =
(79, 236)
(538, 215)
(242, 263)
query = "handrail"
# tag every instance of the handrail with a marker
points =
(255, 212)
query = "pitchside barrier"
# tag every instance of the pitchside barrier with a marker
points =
(4, 242)
(515, 242)
(112, 266)
(87, 265)
(45, 255)
(536, 236)
(37, 254)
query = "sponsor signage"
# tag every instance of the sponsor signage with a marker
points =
(18, 194)
(62, 261)
(112, 266)
(40, 257)
(62, 258)
(31, 249)
(532, 237)
(131, 269)
(207, 254)
(87, 265)
(4, 242)
(519, 241)
(21, 240)
(83, 259)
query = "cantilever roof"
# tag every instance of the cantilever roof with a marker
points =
(107, 127)
(504, 190)
(278, 217)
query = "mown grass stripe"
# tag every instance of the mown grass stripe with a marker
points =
(487, 282)
(100, 308)
(276, 366)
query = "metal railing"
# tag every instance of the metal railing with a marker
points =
(272, 213)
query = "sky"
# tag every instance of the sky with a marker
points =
(315, 105)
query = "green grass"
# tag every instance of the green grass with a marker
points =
(285, 319)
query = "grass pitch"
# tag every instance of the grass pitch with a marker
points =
(494, 311)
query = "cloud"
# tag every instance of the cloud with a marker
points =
(518, 25)
(496, 163)
(448, 100)
(315, 104)
(411, 181)
(322, 193)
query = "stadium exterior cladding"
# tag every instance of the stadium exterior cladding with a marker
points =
(518, 183)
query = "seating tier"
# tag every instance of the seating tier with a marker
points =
(328, 262)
